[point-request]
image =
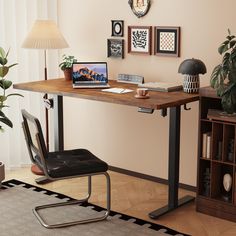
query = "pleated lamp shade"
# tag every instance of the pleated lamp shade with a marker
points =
(45, 35)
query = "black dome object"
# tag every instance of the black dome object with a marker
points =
(192, 67)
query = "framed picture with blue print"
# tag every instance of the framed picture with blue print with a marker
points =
(140, 39)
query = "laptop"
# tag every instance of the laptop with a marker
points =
(90, 75)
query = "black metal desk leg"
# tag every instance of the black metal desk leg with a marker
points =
(58, 132)
(173, 172)
(58, 123)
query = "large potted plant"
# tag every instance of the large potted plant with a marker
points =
(223, 77)
(4, 86)
(66, 66)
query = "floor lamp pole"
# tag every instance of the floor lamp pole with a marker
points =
(34, 168)
(46, 97)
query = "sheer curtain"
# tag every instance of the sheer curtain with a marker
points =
(16, 19)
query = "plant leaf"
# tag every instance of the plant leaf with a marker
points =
(3, 71)
(216, 77)
(12, 65)
(3, 98)
(5, 84)
(6, 121)
(2, 114)
(223, 48)
(2, 53)
(232, 43)
(15, 94)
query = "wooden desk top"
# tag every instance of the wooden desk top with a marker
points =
(157, 100)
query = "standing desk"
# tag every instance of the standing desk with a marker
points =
(157, 101)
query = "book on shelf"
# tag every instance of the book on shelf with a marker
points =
(206, 145)
(162, 86)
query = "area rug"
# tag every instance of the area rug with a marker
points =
(16, 217)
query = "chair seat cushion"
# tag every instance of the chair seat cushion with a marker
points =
(73, 162)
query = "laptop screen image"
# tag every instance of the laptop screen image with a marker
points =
(89, 73)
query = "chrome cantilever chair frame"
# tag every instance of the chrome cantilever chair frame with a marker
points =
(38, 147)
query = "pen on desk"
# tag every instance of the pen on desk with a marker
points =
(122, 90)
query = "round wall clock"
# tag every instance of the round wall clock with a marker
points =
(140, 7)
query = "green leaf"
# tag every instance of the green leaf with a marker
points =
(12, 65)
(226, 60)
(6, 84)
(2, 114)
(3, 71)
(3, 98)
(2, 53)
(3, 61)
(6, 121)
(223, 48)
(15, 94)
(232, 43)
(216, 76)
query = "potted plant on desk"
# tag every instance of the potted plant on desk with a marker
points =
(66, 66)
(223, 77)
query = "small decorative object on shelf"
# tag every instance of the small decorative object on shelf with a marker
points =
(219, 151)
(227, 183)
(191, 68)
(66, 66)
(206, 145)
(140, 7)
(224, 74)
(230, 156)
(206, 182)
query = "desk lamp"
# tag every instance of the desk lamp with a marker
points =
(191, 68)
(44, 35)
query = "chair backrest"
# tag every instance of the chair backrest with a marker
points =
(34, 139)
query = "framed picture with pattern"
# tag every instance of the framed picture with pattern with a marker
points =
(117, 28)
(115, 48)
(140, 39)
(167, 41)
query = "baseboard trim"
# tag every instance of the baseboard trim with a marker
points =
(149, 177)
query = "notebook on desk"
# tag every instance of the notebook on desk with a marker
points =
(90, 75)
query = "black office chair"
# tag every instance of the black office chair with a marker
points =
(63, 165)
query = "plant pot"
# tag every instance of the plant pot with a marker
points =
(2, 172)
(68, 73)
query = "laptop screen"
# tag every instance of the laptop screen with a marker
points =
(89, 72)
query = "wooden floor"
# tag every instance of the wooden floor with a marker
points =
(137, 197)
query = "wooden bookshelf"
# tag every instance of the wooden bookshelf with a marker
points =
(212, 198)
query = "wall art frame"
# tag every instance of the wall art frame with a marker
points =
(115, 48)
(167, 41)
(117, 28)
(140, 39)
(140, 7)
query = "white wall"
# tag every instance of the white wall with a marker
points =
(119, 134)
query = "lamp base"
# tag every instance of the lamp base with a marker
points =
(191, 83)
(36, 170)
